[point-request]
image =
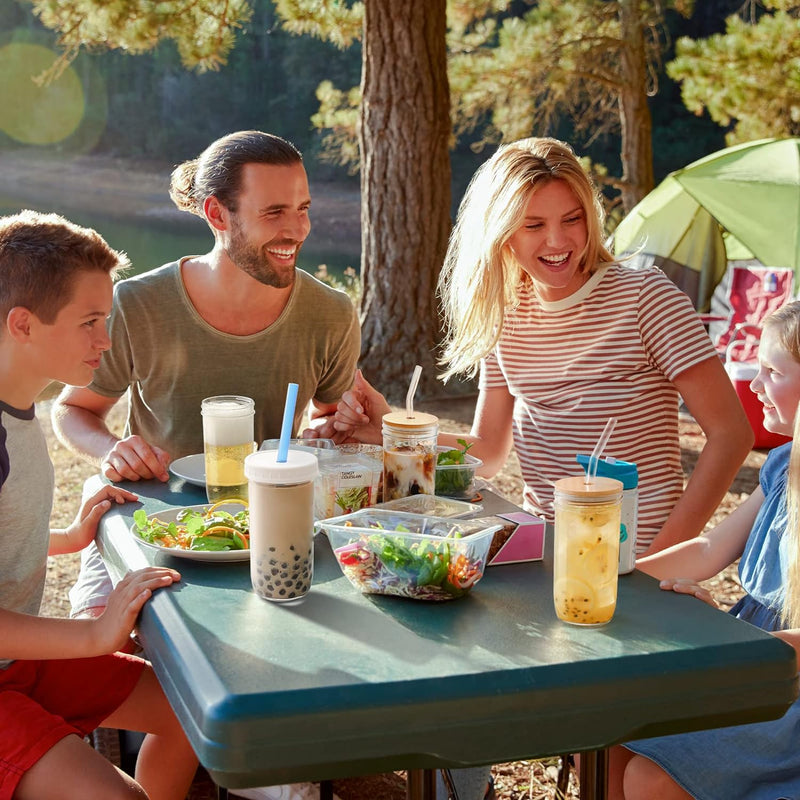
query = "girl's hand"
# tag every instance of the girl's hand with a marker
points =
(114, 626)
(686, 586)
(83, 529)
(359, 415)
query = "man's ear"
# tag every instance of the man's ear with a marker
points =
(216, 214)
(18, 324)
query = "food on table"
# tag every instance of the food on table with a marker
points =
(209, 529)
(408, 555)
(586, 559)
(349, 479)
(455, 471)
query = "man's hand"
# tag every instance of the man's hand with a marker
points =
(134, 459)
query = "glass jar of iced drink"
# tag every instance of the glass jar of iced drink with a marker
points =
(587, 530)
(228, 422)
(409, 454)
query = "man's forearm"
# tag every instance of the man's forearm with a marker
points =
(83, 432)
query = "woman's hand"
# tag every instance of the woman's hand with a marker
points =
(686, 586)
(359, 415)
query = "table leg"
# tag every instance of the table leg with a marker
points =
(594, 774)
(421, 784)
(222, 793)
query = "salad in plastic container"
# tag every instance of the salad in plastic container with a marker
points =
(382, 551)
(455, 471)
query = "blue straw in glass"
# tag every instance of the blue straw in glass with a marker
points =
(288, 420)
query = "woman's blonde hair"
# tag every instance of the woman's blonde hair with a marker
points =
(480, 277)
(784, 324)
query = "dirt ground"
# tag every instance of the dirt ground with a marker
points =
(522, 780)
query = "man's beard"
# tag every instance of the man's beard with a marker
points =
(255, 262)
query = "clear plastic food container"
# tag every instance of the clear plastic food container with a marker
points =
(382, 551)
(456, 480)
(349, 479)
(432, 506)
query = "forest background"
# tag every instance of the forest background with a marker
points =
(440, 83)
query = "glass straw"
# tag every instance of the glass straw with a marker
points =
(591, 472)
(288, 420)
(411, 390)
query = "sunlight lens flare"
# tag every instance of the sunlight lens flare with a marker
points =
(34, 114)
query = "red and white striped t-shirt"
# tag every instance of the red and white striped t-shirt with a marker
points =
(609, 350)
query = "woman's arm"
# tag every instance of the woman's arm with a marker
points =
(702, 557)
(708, 393)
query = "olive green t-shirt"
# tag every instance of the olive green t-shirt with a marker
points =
(169, 358)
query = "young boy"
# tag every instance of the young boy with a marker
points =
(59, 678)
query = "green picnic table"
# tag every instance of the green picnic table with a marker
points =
(347, 684)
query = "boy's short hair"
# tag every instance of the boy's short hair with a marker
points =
(39, 257)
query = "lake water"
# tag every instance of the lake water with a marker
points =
(152, 243)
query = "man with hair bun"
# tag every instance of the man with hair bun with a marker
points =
(240, 319)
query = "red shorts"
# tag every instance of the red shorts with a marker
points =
(41, 702)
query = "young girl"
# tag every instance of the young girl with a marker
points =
(759, 761)
(565, 338)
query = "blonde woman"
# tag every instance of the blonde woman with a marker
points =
(564, 338)
(760, 761)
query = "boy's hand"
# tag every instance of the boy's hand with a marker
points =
(114, 626)
(133, 459)
(686, 586)
(83, 529)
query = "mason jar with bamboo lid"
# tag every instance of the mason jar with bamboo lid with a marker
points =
(409, 454)
(585, 567)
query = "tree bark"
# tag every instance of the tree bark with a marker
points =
(634, 112)
(405, 190)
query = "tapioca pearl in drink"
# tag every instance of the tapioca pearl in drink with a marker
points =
(284, 575)
(408, 471)
(281, 538)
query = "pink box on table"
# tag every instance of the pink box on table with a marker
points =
(522, 536)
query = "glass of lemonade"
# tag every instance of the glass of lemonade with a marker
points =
(227, 439)
(587, 530)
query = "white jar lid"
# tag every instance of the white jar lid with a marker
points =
(264, 467)
(227, 405)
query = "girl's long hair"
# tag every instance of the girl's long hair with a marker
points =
(480, 277)
(784, 324)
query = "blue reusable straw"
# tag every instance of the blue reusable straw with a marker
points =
(288, 419)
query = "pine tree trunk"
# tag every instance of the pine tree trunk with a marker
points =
(635, 121)
(405, 184)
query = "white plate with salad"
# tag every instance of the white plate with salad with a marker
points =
(192, 469)
(207, 532)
